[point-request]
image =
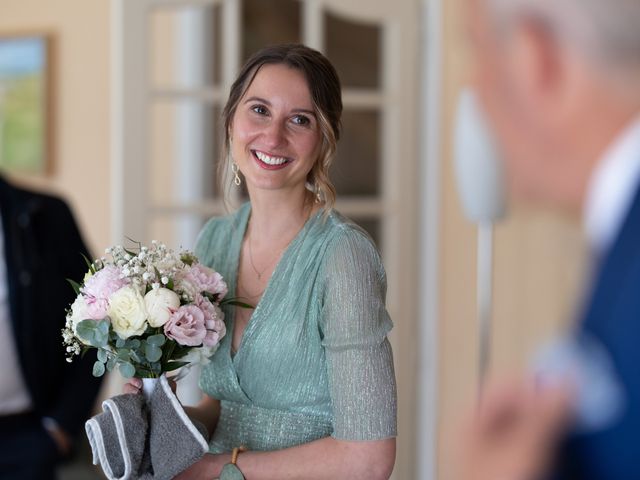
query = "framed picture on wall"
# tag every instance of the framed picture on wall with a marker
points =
(25, 103)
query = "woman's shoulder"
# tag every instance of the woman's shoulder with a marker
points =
(347, 239)
(343, 229)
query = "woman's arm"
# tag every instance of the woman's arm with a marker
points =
(207, 412)
(324, 459)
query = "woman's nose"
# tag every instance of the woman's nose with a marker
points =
(274, 135)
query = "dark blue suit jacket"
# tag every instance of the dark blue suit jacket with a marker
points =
(43, 248)
(613, 317)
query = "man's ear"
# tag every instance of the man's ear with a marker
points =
(537, 64)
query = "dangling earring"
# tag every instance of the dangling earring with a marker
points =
(235, 169)
(318, 193)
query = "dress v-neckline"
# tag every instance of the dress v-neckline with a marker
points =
(265, 294)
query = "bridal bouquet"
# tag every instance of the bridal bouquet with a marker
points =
(146, 311)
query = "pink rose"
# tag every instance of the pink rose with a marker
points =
(99, 287)
(214, 321)
(186, 326)
(205, 279)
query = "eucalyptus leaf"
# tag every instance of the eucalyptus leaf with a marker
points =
(127, 370)
(136, 356)
(152, 352)
(103, 326)
(156, 340)
(98, 369)
(102, 355)
(86, 330)
(111, 363)
(101, 340)
(120, 343)
(124, 355)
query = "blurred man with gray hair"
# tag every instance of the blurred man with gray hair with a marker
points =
(560, 83)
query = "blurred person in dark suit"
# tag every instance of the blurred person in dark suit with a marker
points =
(560, 83)
(44, 400)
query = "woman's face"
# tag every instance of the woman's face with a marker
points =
(275, 136)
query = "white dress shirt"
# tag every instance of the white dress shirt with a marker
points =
(14, 396)
(612, 188)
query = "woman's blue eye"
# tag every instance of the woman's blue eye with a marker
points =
(301, 120)
(259, 109)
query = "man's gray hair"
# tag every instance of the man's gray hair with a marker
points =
(605, 30)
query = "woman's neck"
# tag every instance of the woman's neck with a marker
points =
(278, 214)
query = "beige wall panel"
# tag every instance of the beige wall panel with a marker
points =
(81, 164)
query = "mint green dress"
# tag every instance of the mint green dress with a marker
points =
(314, 360)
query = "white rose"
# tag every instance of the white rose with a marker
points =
(160, 304)
(127, 312)
(79, 312)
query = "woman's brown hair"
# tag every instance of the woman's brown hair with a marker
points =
(326, 96)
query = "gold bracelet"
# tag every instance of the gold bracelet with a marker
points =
(231, 471)
(236, 452)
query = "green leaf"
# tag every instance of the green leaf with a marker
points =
(101, 339)
(75, 285)
(156, 340)
(111, 363)
(152, 353)
(103, 326)
(120, 343)
(169, 366)
(188, 258)
(127, 370)
(236, 303)
(86, 329)
(89, 263)
(102, 355)
(98, 369)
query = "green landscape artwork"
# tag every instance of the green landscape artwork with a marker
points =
(23, 103)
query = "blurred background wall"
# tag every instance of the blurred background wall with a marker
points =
(138, 87)
(81, 104)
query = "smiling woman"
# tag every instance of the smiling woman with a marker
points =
(304, 381)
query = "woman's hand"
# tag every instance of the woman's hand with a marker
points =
(134, 385)
(207, 468)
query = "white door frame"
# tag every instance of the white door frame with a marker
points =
(129, 111)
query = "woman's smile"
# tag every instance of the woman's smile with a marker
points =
(269, 161)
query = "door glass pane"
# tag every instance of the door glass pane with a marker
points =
(356, 168)
(185, 47)
(269, 22)
(354, 49)
(183, 152)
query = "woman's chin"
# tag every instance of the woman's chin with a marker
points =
(274, 186)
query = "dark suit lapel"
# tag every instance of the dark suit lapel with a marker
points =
(616, 267)
(7, 210)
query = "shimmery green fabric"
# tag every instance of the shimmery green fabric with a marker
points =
(314, 360)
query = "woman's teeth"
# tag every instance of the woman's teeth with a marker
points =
(269, 160)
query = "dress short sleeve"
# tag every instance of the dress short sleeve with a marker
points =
(354, 324)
